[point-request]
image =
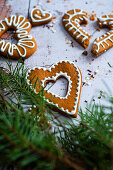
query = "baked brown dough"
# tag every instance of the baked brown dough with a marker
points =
(104, 42)
(72, 21)
(40, 17)
(66, 69)
(26, 44)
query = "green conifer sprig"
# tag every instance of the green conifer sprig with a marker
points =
(37, 139)
(90, 138)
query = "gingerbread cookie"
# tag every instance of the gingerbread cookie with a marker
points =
(72, 21)
(66, 69)
(40, 17)
(26, 44)
(104, 42)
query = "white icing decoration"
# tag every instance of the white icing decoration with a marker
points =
(77, 21)
(54, 78)
(104, 23)
(39, 18)
(81, 18)
(101, 19)
(107, 36)
(111, 22)
(24, 38)
(69, 86)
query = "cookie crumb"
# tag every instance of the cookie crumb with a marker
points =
(92, 77)
(109, 64)
(86, 24)
(92, 17)
(98, 29)
(85, 53)
(54, 17)
(89, 70)
(70, 42)
(89, 74)
(53, 30)
(83, 83)
(72, 45)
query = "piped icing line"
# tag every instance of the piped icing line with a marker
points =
(39, 18)
(104, 40)
(77, 28)
(79, 79)
(54, 78)
(76, 98)
(16, 22)
(107, 38)
(25, 40)
(106, 18)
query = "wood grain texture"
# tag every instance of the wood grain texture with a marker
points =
(4, 9)
(4, 12)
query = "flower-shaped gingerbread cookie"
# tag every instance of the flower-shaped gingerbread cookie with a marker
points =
(40, 17)
(26, 44)
(72, 21)
(66, 69)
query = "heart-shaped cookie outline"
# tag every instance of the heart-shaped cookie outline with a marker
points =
(72, 20)
(105, 41)
(22, 26)
(37, 20)
(76, 84)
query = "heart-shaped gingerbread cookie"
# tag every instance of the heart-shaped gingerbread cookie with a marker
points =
(66, 69)
(72, 21)
(40, 17)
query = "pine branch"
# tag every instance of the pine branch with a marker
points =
(90, 139)
(28, 145)
(27, 140)
(94, 132)
(12, 132)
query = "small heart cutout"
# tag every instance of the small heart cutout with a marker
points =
(72, 21)
(58, 88)
(69, 71)
(40, 17)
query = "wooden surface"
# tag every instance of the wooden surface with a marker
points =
(55, 44)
